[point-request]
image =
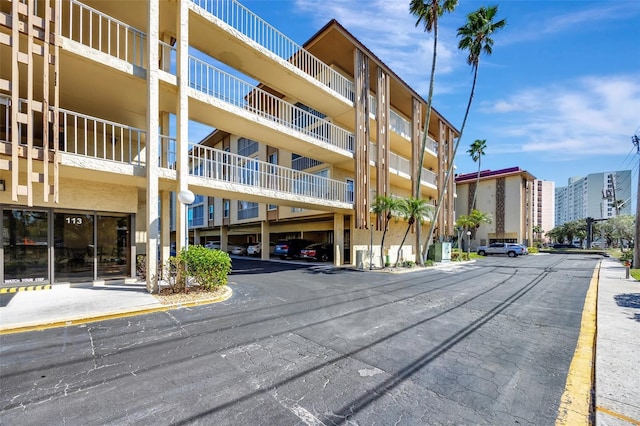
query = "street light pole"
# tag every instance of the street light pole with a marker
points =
(468, 244)
(187, 198)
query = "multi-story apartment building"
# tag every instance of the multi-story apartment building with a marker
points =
(506, 197)
(97, 164)
(598, 195)
(543, 206)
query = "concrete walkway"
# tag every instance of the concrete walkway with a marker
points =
(617, 366)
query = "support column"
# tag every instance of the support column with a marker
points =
(361, 148)
(265, 237)
(224, 238)
(165, 223)
(153, 92)
(182, 118)
(338, 238)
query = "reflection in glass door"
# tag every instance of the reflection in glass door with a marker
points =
(114, 253)
(24, 239)
(74, 247)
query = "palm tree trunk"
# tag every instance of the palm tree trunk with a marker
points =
(450, 168)
(401, 244)
(425, 133)
(384, 233)
(475, 193)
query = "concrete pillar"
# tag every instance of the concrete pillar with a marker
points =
(338, 238)
(224, 237)
(265, 237)
(165, 224)
(153, 109)
(182, 117)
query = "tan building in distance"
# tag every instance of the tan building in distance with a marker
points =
(505, 195)
(543, 207)
(96, 104)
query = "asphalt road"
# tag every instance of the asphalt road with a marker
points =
(482, 343)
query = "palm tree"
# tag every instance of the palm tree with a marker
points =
(428, 12)
(476, 151)
(537, 229)
(413, 210)
(476, 39)
(384, 206)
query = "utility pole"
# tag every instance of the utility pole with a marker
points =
(636, 241)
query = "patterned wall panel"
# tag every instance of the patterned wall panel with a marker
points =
(500, 205)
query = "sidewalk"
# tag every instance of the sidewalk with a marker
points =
(617, 375)
(617, 348)
(64, 305)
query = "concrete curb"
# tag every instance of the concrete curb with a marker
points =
(118, 313)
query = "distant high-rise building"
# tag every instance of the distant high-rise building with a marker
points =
(543, 203)
(598, 195)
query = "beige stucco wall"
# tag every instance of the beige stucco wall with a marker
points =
(78, 195)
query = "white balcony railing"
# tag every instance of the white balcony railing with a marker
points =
(224, 166)
(92, 137)
(252, 26)
(96, 30)
(428, 177)
(82, 134)
(214, 82)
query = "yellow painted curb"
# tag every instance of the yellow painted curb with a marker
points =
(112, 315)
(6, 290)
(575, 404)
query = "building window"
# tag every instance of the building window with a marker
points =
(211, 216)
(196, 216)
(225, 209)
(247, 147)
(247, 210)
(349, 195)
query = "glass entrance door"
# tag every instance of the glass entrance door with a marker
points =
(114, 249)
(74, 247)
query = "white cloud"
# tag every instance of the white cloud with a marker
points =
(388, 30)
(589, 116)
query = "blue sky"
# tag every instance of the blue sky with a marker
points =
(559, 96)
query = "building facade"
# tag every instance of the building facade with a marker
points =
(98, 167)
(506, 196)
(597, 195)
(543, 207)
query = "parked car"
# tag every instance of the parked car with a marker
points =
(239, 250)
(212, 245)
(525, 249)
(511, 250)
(322, 252)
(290, 248)
(256, 249)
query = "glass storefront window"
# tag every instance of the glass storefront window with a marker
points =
(24, 235)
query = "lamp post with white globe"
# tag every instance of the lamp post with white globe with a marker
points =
(468, 243)
(187, 198)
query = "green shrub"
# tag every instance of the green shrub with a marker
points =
(627, 256)
(408, 263)
(209, 268)
(533, 250)
(429, 262)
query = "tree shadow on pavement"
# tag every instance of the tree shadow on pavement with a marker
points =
(629, 300)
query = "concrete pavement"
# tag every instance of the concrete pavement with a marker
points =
(617, 364)
(617, 343)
